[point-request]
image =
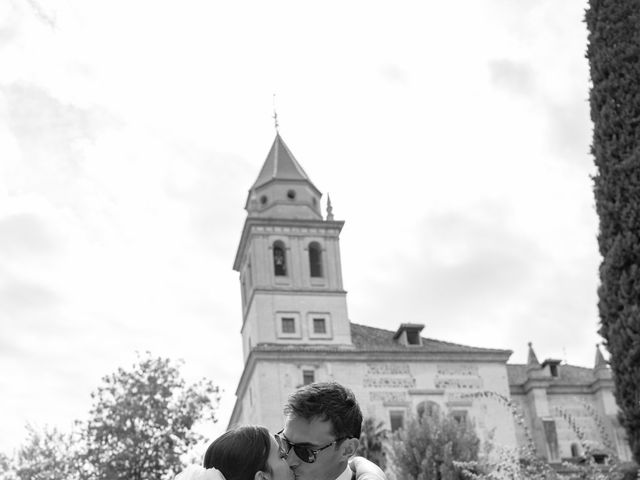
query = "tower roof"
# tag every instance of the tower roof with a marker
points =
(600, 361)
(532, 360)
(280, 164)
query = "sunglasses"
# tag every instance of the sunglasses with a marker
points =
(305, 453)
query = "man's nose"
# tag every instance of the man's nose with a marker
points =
(292, 459)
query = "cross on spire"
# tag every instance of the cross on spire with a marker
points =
(275, 114)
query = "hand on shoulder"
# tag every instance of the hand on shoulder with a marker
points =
(366, 469)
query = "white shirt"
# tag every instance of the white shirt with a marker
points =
(346, 475)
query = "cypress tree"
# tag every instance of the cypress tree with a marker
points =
(614, 59)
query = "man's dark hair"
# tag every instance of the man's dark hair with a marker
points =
(328, 401)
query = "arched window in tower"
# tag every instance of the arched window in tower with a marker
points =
(279, 259)
(315, 259)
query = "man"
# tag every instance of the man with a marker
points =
(322, 432)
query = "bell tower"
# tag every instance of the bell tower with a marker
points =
(289, 261)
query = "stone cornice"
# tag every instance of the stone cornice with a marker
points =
(272, 224)
(556, 388)
(346, 353)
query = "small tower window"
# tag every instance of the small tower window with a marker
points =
(315, 259)
(291, 194)
(279, 259)
(263, 199)
(319, 325)
(288, 325)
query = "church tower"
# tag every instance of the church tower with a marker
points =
(289, 261)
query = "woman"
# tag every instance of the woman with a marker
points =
(246, 453)
(251, 453)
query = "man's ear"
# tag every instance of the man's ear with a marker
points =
(350, 446)
(260, 475)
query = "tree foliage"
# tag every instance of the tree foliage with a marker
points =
(7, 468)
(614, 59)
(46, 454)
(428, 445)
(372, 442)
(141, 421)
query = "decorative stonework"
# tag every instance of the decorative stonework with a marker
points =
(388, 375)
(389, 382)
(388, 369)
(457, 370)
(389, 397)
(464, 377)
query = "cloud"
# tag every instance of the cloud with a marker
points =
(45, 127)
(569, 129)
(516, 77)
(203, 181)
(25, 233)
(466, 265)
(19, 296)
(394, 74)
(45, 17)
(10, 17)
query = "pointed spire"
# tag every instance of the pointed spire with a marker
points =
(329, 208)
(532, 360)
(280, 164)
(600, 361)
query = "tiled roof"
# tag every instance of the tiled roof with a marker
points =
(371, 339)
(280, 164)
(567, 375)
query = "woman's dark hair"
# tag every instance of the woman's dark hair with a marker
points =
(240, 453)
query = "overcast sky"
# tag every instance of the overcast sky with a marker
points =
(453, 138)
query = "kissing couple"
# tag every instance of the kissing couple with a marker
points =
(318, 442)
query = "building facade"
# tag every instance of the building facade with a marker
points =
(296, 330)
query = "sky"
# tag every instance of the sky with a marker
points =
(452, 137)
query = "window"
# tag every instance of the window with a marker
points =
(288, 325)
(428, 408)
(575, 450)
(396, 418)
(459, 416)
(319, 325)
(315, 259)
(279, 259)
(413, 337)
(308, 376)
(553, 369)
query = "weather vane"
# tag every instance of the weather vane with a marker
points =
(275, 114)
